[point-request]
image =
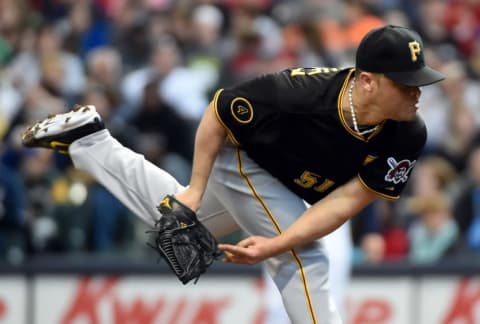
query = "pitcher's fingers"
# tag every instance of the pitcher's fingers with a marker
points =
(228, 257)
(232, 249)
(245, 242)
(224, 246)
(234, 258)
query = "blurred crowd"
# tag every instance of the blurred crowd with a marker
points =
(151, 66)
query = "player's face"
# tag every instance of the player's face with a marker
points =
(399, 102)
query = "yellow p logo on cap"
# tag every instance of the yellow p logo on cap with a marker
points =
(415, 49)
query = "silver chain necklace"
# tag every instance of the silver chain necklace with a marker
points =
(354, 115)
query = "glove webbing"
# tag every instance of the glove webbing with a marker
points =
(166, 251)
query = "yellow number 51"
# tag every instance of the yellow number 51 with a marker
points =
(309, 180)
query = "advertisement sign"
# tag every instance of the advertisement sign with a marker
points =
(147, 300)
(447, 300)
(381, 301)
(232, 299)
(13, 308)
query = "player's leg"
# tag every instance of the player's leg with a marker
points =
(215, 216)
(274, 309)
(137, 183)
(263, 206)
(339, 246)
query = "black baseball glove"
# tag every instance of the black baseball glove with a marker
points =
(185, 243)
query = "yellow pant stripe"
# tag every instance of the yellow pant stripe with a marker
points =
(279, 230)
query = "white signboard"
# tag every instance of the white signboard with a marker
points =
(147, 300)
(13, 309)
(72, 299)
(380, 301)
(449, 300)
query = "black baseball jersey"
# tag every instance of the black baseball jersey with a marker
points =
(291, 123)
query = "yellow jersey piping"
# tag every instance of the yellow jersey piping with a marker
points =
(215, 108)
(342, 116)
(376, 192)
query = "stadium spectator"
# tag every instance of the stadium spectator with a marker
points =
(174, 82)
(433, 234)
(13, 239)
(467, 206)
(129, 58)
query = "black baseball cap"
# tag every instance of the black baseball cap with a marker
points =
(397, 52)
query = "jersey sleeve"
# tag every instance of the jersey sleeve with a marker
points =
(386, 171)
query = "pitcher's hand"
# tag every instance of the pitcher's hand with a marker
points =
(251, 250)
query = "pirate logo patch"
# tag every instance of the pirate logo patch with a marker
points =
(398, 170)
(241, 110)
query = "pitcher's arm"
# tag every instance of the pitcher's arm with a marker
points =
(209, 138)
(321, 219)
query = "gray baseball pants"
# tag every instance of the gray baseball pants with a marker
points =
(239, 194)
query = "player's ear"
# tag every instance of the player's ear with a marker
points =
(368, 81)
